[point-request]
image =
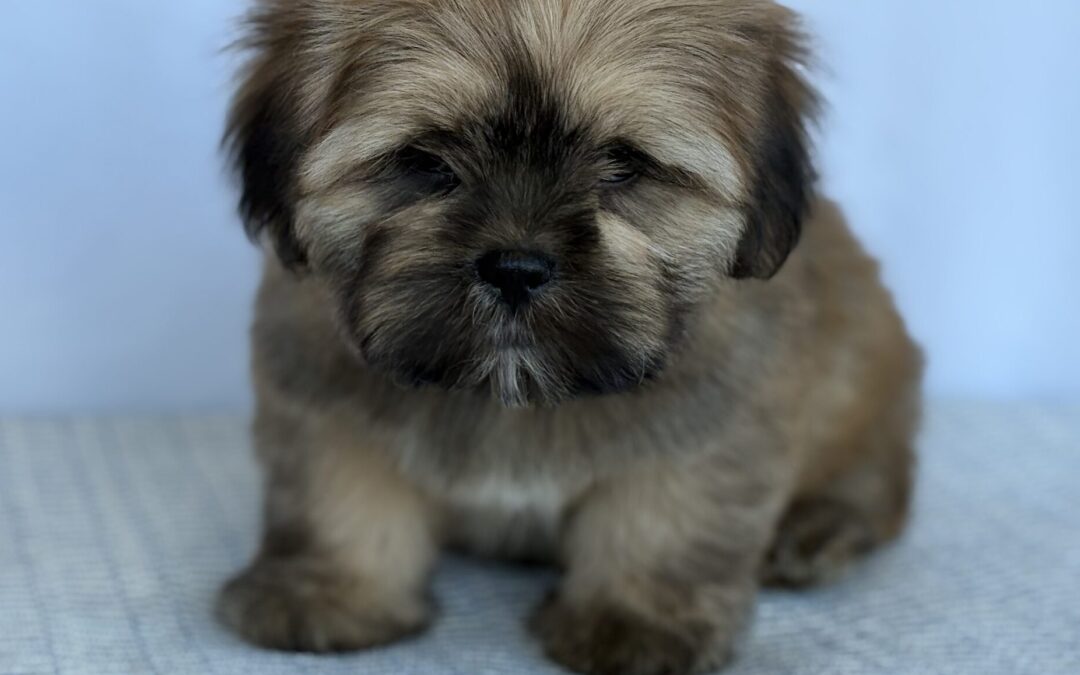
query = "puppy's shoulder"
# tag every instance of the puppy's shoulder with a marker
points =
(830, 273)
(829, 246)
(297, 348)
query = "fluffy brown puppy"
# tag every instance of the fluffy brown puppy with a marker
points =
(530, 299)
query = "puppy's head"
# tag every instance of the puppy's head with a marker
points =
(526, 196)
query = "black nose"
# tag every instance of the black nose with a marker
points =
(516, 274)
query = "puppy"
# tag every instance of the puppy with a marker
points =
(530, 295)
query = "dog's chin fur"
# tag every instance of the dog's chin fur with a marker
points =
(522, 377)
(652, 158)
(516, 358)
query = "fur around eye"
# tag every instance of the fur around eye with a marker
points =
(622, 164)
(428, 167)
(618, 176)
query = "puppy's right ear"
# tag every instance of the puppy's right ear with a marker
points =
(265, 136)
(265, 148)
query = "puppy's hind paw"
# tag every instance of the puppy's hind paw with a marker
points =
(815, 543)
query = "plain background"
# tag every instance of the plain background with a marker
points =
(125, 281)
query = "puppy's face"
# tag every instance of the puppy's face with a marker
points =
(526, 196)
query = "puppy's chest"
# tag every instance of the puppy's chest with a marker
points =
(505, 481)
(517, 517)
(502, 489)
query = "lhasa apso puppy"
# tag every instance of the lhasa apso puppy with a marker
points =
(536, 289)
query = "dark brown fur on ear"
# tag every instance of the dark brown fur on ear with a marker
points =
(264, 151)
(783, 174)
(266, 134)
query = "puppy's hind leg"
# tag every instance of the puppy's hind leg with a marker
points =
(346, 554)
(828, 527)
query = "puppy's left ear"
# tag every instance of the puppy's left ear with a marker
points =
(782, 174)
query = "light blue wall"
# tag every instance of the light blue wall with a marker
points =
(125, 282)
(954, 142)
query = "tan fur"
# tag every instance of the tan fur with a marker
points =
(774, 443)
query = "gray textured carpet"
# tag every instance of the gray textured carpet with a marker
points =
(114, 535)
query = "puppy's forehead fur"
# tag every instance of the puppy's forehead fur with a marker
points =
(681, 80)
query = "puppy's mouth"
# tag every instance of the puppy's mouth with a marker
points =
(541, 353)
(512, 333)
(527, 363)
(513, 379)
(521, 373)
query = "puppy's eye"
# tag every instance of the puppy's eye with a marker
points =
(617, 176)
(432, 170)
(622, 164)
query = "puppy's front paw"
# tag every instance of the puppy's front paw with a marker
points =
(607, 640)
(303, 604)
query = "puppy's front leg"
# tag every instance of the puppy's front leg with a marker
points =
(661, 570)
(347, 551)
